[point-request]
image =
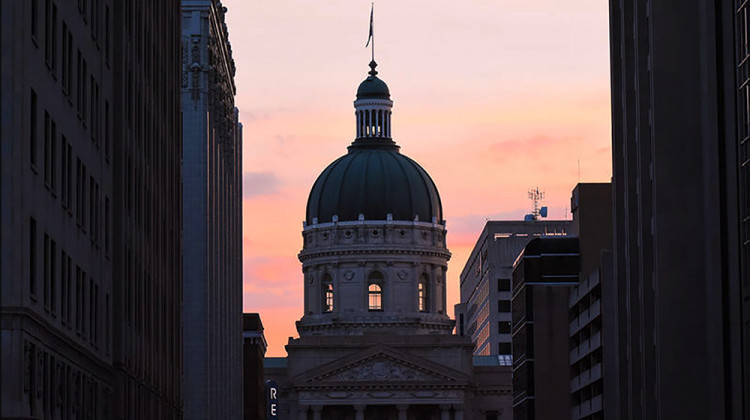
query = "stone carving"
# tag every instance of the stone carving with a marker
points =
(349, 275)
(403, 274)
(380, 370)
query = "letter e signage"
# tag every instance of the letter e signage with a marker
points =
(272, 393)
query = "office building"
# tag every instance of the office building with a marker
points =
(58, 87)
(484, 312)
(212, 228)
(147, 209)
(680, 116)
(591, 205)
(543, 275)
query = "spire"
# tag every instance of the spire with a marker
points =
(373, 72)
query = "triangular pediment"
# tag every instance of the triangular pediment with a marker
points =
(382, 364)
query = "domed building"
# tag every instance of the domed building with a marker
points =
(376, 341)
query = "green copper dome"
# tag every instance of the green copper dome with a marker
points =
(374, 180)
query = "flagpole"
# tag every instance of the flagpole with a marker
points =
(372, 11)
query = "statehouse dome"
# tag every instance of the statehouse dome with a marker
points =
(374, 179)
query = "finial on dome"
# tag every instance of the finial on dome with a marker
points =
(373, 72)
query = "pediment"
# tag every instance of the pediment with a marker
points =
(382, 364)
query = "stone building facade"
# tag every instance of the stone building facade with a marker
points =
(57, 202)
(147, 210)
(91, 208)
(212, 228)
(375, 338)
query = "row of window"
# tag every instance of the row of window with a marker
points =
(55, 389)
(88, 196)
(79, 297)
(375, 292)
(92, 14)
(87, 87)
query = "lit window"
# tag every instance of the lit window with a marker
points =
(376, 297)
(423, 307)
(327, 293)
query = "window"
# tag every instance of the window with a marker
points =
(423, 295)
(107, 139)
(32, 130)
(92, 208)
(106, 34)
(106, 226)
(503, 348)
(50, 152)
(375, 291)
(67, 59)
(64, 279)
(50, 274)
(32, 257)
(34, 19)
(503, 327)
(81, 87)
(80, 278)
(65, 171)
(94, 111)
(107, 323)
(503, 306)
(327, 293)
(376, 297)
(503, 285)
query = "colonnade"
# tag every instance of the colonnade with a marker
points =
(374, 122)
(447, 411)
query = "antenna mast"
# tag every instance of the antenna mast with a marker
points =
(535, 196)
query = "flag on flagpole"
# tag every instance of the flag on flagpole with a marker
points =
(370, 37)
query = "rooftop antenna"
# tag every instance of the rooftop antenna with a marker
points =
(371, 37)
(537, 212)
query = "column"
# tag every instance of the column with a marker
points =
(359, 412)
(317, 412)
(302, 412)
(377, 123)
(403, 410)
(445, 412)
(458, 413)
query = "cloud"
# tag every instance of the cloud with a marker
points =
(255, 184)
(532, 145)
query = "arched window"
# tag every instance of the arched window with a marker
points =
(423, 294)
(375, 291)
(327, 293)
(376, 297)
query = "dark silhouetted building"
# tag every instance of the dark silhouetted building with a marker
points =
(542, 278)
(147, 208)
(90, 253)
(58, 84)
(212, 224)
(681, 175)
(591, 205)
(253, 351)
(484, 311)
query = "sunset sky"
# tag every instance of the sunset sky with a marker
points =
(491, 97)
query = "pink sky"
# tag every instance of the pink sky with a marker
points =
(491, 97)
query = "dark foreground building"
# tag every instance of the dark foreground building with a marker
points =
(57, 196)
(90, 249)
(681, 178)
(253, 351)
(543, 276)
